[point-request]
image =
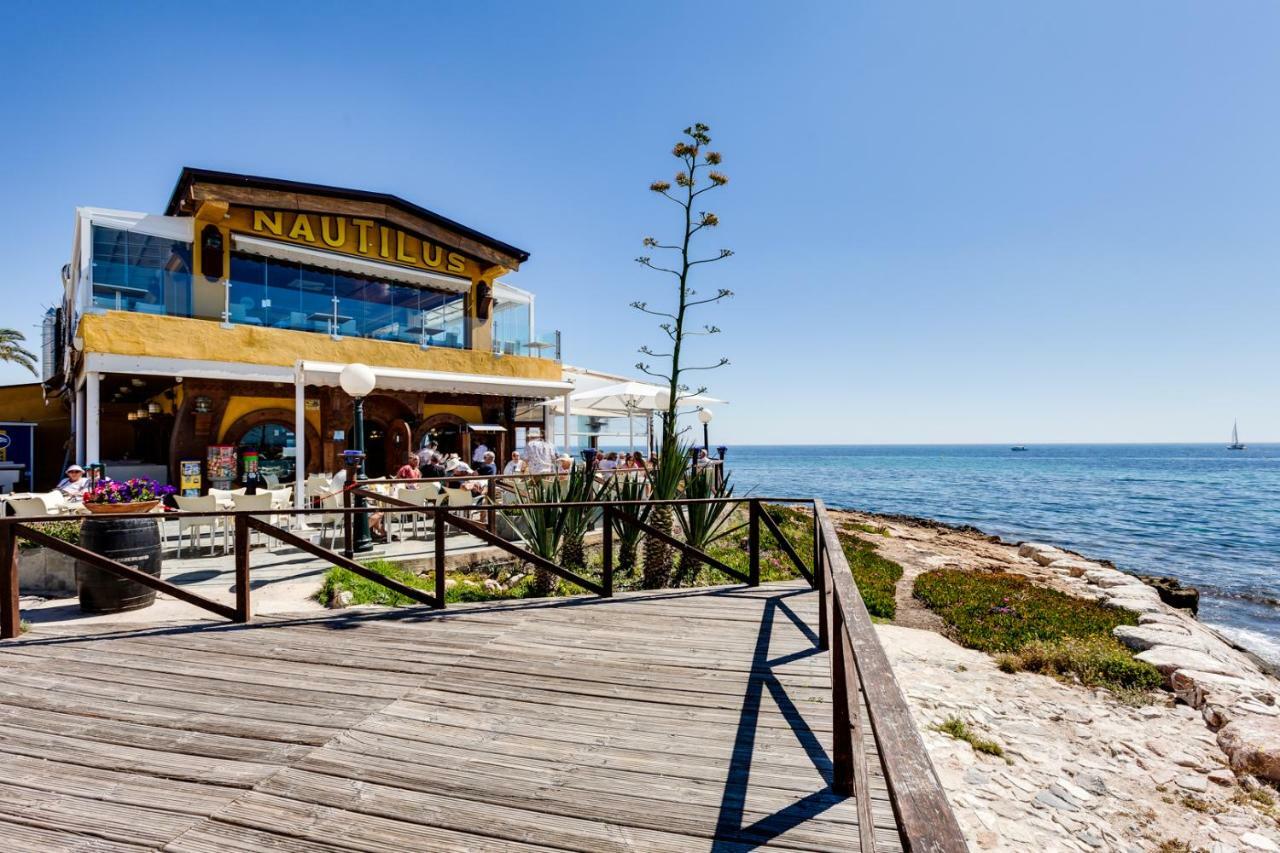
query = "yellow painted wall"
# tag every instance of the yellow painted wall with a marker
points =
(470, 414)
(128, 333)
(238, 407)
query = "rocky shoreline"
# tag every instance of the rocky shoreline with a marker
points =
(1082, 770)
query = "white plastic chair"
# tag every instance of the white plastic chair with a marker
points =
(272, 481)
(418, 497)
(330, 520)
(195, 523)
(259, 503)
(29, 506)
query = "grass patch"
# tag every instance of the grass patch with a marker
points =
(959, 729)
(468, 586)
(1035, 629)
(873, 529)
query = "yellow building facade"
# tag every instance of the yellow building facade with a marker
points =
(214, 334)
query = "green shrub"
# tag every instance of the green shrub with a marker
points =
(365, 591)
(877, 577)
(959, 729)
(1035, 629)
(66, 531)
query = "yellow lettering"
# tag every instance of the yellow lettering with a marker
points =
(334, 241)
(401, 255)
(363, 226)
(432, 256)
(384, 249)
(301, 229)
(269, 220)
(457, 263)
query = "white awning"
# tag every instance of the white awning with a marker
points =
(406, 379)
(486, 427)
(347, 263)
(633, 396)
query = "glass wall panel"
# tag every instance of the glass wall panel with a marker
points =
(141, 272)
(511, 328)
(248, 282)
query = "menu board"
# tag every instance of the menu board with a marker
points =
(189, 478)
(221, 465)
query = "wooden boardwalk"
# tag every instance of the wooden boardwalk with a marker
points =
(681, 720)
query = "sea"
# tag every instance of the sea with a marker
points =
(1208, 516)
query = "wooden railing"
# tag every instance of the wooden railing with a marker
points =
(860, 670)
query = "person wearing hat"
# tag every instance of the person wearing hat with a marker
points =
(539, 454)
(74, 484)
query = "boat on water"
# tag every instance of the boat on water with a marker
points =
(1019, 448)
(1235, 437)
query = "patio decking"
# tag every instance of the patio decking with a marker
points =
(678, 720)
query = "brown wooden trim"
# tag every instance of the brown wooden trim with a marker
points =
(680, 545)
(919, 802)
(10, 613)
(127, 572)
(339, 560)
(484, 535)
(285, 417)
(785, 545)
(244, 610)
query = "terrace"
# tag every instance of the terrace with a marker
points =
(727, 718)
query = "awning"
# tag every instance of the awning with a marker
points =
(347, 263)
(486, 427)
(634, 397)
(406, 379)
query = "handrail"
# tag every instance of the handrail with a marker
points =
(858, 660)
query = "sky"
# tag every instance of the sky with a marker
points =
(952, 222)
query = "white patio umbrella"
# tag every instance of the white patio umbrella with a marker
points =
(631, 397)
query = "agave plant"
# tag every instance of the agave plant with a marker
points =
(702, 524)
(665, 481)
(544, 530)
(627, 489)
(580, 487)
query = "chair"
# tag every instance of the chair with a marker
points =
(331, 520)
(194, 523)
(272, 481)
(418, 497)
(259, 503)
(460, 498)
(28, 506)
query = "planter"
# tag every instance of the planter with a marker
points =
(109, 509)
(132, 541)
(45, 572)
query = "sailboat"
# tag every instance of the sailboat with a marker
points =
(1235, 438)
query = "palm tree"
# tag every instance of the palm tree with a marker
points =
(11, 349)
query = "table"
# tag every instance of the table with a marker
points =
(334, 320)
(121, 290)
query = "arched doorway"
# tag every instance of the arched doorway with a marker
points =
(270, 433)
(387, 434)
(448, 431)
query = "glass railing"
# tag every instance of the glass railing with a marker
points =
(308, 300)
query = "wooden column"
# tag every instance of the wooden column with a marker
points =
(10, 616)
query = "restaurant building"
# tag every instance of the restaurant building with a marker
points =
(211, 337)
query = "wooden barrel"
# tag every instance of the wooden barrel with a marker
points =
(132, 541)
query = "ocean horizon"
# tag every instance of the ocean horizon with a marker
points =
(1199, 512)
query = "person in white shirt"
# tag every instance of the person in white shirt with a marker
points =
(608, 464)
(515, 466)
(539, 454)
(73, 485)
(477, 455)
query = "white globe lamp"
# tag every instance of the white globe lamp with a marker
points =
(358, 380)
(705, 416)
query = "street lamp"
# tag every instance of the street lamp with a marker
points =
(358, 380)
(705, 416)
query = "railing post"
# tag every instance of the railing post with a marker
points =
(607, 574)
(753, 542)
(820, 583)
(841, 725)
(440, 530)
(348, 540)
(244, 610)
(493, 504)
(10, 616)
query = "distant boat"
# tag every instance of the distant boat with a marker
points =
(1019, 448)
(1235, 438)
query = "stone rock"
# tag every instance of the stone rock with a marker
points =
(1093, 783)
(1173, 593)
(1073, 566)
(1027, 549)
(450, 583)
(1259, 842)
(1049, 799)
(1137, 605)
(1143, 637)
(1222, 776)
(1252, 745)
(1162, 618)
(1108, 578)
(492, 585)
(1046, 557)
(1191, 782)
(341, 598)
(1197, 688)
(1168, 659)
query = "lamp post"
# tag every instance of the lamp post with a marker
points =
(358, 380)
(705, 416)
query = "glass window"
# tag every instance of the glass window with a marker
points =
(141, 272)
(248, 288)
(277, 452)
(511, 327)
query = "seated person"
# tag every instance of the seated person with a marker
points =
(515, 465)
(565, 463)
(608, 464)
(488, 465)
(409, 470)
(74, 485)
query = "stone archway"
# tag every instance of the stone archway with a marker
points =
(234, 433)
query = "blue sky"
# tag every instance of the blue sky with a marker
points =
(954, 222)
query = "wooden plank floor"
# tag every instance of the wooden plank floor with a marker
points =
(675, 721)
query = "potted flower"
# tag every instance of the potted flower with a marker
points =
(139, 494)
